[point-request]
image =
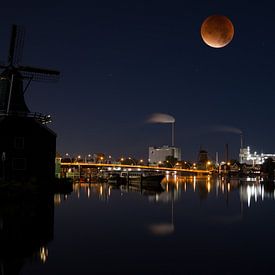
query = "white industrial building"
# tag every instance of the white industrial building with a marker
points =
(158, 155)
(253, 158)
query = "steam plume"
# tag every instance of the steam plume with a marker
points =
(161, 118)
(227, 129)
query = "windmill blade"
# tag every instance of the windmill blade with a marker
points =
(16, 45)
(12, 44)
(41, 71)
(40, 77)
(19, 44)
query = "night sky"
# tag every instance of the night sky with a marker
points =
(121, 61)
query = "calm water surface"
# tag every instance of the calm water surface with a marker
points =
(192, 226)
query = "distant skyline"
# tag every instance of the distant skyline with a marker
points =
(121, 61)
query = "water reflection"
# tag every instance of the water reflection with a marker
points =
(179, 210)
(26, 228)
(198, 225)
(173, 188)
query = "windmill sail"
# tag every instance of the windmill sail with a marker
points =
(11, 79)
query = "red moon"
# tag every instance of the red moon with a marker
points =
(217, 31)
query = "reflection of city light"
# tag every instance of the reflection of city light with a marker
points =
(208, 187)
(173, 189)
(162, 229)
(194, 183)
(101, 190)
(252, 191)
(57, 199)
(43, 253)
(248, 195)
(228, 186)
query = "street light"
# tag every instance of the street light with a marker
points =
(67, 155)
(171, 166)
(208, 163)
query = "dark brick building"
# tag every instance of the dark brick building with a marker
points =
(27, 149)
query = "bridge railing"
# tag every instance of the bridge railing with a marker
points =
(142, 167)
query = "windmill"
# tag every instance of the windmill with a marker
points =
(16, 78)
(23, 136)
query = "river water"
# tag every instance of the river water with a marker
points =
(190, 226)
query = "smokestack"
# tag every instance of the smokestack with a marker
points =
(242, 141)
(217, 158)
(173, 134)
(226, 152)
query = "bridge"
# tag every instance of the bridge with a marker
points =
(79, 165)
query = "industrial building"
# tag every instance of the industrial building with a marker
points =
(253, 158)
(158, 155)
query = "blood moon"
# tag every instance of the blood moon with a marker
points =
(217, 31)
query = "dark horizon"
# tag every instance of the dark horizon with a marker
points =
(120, 62)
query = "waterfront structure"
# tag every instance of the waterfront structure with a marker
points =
(203, 160)
(27, 145)
(158, 155)
(253, 158)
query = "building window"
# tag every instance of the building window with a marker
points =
(19, 143)
(19, 164)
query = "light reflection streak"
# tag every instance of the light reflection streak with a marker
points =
(208, 187)
(175, 186)
(43, 254)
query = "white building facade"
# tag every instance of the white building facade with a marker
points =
(158, 155)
